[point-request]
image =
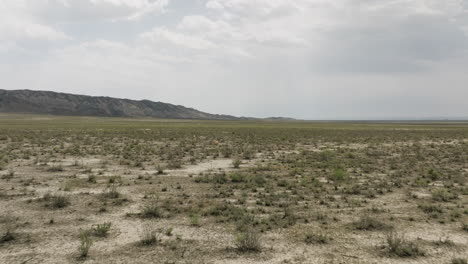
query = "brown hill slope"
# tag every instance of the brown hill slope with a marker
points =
(45, 102)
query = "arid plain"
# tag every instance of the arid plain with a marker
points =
(109, 190)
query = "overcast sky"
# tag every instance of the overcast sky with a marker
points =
(311, 59)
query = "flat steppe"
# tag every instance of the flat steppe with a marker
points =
(109, 190)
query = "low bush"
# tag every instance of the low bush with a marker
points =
(397, 245)
(148, 234)
(248, 240)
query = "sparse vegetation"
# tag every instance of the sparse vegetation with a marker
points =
(151, 210)
(248, 240)
(314, 186)
(459, 261)
(148, 234)
(8, 226)
(102, 230)
(316, 238)
(56, 201)
(85, 244)
(367, 222)
(397, 245)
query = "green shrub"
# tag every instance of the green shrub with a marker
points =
(85, 244)
(102, 230)
(8, 226)
(236, 163)
(151, 210)
(92, 178)
(55, 168)
(194, 219)
(367, 222)
(338, 175)
(443, 195)
(397, 245)
(238, 177)
(111, 192)
(316, 238)
(248, 240)
(148, 234)
(464, 226)
(57, 201)
(459, 261)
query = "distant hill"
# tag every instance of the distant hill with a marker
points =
(52, 103)
(279, 119)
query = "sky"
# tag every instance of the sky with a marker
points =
(307, 59)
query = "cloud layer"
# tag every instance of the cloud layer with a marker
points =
(314, 59)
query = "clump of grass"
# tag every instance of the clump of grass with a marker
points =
(8, 228)
(459, 261)
(111, 192)
(102, 230)
(151, 210)
(338, 175)
(194, 219)
(464, 226)
(367, 222)
(168, 231)
(446, 242)
(55, 168)
(92, 178)
(57, 201)
(316, 238)
(9, 175)
(236, 163)
(115, 179)
(248, 240)
(3, 161)
(433, 174)
(159, 170)
(397, 245)
(148, 234)
(174, 164)
(432, 210)
(443, 195)
(85, 244)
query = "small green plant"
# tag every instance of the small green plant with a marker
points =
(443, 195)
(316, 238)
(169, 231)
(55, 168)
(92, 178)
(248, 240)
(194, 219)
(9, 175)
(236, 163)
(174, 164)
(433, 174)
(338, 175)
(148, 234)
(459, 261)
(85, 244)
(111, 192)
(159, 170)
(445, 242)
(102, 230)
(464, 226)
(397, 245)
(115, 179)
(367, 222)
(57, 201)
(151, 210)
(8, 226)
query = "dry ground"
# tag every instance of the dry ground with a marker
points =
(231, 192)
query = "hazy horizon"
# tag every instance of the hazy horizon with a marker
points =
(305, 59)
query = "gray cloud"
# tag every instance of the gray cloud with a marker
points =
(302, 58)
